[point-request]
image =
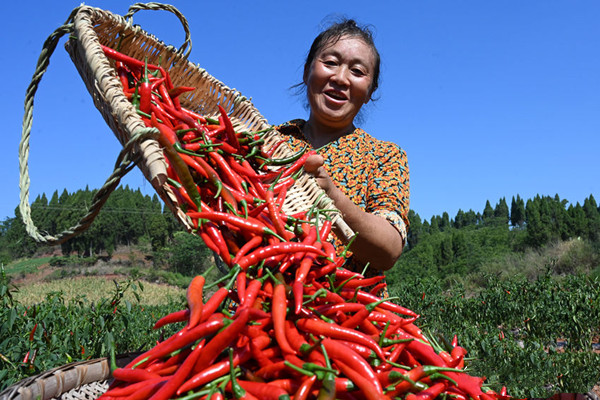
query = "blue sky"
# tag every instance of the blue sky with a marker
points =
(489, 99)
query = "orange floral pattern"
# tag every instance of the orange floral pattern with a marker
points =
(372, 173)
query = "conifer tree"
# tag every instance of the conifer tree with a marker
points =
(593, 218)
(444, 222)
(459, 220)
(517, 212)
(488, 213)
(501, 212)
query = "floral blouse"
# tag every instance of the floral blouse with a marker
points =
(371, 172)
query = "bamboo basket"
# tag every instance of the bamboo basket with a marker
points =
(93, 27)
(82, 380)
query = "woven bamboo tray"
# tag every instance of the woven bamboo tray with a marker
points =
(93, 27)
(83, 380)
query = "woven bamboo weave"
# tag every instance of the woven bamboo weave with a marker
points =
(85, 380)
(94, 27)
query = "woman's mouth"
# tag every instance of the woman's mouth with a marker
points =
(338, 96)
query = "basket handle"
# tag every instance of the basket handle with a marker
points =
(186, 47)
(125, 161)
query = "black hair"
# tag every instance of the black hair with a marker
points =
(344, 28)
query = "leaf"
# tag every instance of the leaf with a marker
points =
(11, 318)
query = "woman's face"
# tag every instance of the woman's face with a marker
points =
(339, 81)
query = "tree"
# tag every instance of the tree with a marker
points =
(577, 222)
(517, 212)
(444, 222)
(415, 230)
(446, 253)
(488, 213)
(471, 218)
(434, 227)
(590, 209)
(501, 212)
(459, 220)
(538, 234)
(189, 254)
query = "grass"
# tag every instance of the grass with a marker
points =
(92, 289)
(27, 266)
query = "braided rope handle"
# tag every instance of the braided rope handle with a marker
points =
(186, 47)
(126, 159)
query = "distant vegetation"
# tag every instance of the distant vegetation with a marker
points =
(503, 241)
(497, 240)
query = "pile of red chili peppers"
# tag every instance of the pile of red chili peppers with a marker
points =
(288, 321)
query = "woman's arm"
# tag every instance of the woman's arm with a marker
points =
(378, 242)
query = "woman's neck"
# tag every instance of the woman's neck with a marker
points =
(318, 135)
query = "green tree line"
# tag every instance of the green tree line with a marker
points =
(438, 247)
(444, 247)
(127, 218)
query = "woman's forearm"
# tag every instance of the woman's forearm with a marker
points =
(378, 242)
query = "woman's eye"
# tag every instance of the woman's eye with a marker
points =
(358, 72)
(330, 62)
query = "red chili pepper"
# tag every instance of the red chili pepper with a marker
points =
(249, 245)
(32, 333)
(214, 371)
(170, 387)
(264, 391)
(145, 91)
(179, 90)
(133, 375)
(214, 302)
(337, 351)
(305, 388)
(227, 172)
(275, 218)
(431, 393)
(276, 249)
(231, 137)
(223, 339)
(177, 316)
(279, 317)
(195, 300)
(177, 163)
(122, 391)
(252, 225)
(181, 339)
(318, 327)
(134, 62)
(365, 298)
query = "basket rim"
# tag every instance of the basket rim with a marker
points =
(59, 380)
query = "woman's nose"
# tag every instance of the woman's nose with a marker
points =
(340, 76)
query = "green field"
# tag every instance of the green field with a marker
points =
(534, 337)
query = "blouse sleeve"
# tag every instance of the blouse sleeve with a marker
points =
(389, 188)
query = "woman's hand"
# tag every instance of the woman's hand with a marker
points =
(314, 166)
(378, 242)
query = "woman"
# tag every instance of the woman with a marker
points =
(366, 178)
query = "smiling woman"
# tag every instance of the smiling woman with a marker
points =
(365, 177)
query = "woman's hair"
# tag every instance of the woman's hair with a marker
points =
(344, 28)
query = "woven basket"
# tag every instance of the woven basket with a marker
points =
(82, 380)
(93, 27)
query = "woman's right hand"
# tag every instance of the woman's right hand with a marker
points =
(314, 166)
